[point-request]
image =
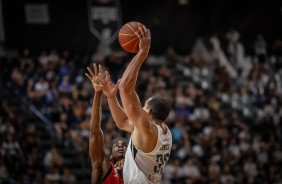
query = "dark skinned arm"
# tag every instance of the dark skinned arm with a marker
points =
(96, 138)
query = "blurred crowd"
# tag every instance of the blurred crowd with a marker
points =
(225, 120)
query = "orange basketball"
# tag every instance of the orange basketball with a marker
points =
(127, 37)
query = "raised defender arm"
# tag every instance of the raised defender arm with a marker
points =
(96, 138)
(119, 116)
(130, 99)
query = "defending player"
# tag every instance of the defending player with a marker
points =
(104, 169)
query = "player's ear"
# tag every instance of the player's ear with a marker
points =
(150, 112)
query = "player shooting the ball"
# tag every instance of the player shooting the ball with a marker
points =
(150, 143)
(105, 170)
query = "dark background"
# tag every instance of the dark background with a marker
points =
(217, 115)
(170, 23)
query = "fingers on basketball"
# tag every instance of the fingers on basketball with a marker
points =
(129, 36)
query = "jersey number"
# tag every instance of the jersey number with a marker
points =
(161, 160)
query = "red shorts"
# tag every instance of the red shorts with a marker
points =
(112, 176)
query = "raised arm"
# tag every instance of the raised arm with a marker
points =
(130, 99)
(96, 138)
(119, 116)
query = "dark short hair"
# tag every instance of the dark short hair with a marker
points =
(119, 139)
(159, 106)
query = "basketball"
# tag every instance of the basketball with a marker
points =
(127, 37)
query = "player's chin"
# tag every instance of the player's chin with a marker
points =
(120, 155)
(121, 151)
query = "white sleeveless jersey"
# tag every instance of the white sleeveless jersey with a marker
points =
(140, 167)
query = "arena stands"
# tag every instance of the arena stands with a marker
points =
(226, 117)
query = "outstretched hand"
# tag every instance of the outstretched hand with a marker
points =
(109, 89)
(95, 77)
(144, 36)
(119, 165)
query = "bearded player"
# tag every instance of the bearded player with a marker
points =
(105, 169)
(151, 141)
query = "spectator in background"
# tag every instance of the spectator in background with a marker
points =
(26, 63)
(11, 147)
(52, 94)
(52, 158)
(260, 45)
(52, 176)
(4, 173)
(177, 132)
(65, 85)
(44, 60)
(7, 127)
(68, 177)
(54, 57)
(64, 69)
(250, 167)
(226, 177)
(41, 87)
(213, 171)
(13, 155)
(190, 170)
(235, 48)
